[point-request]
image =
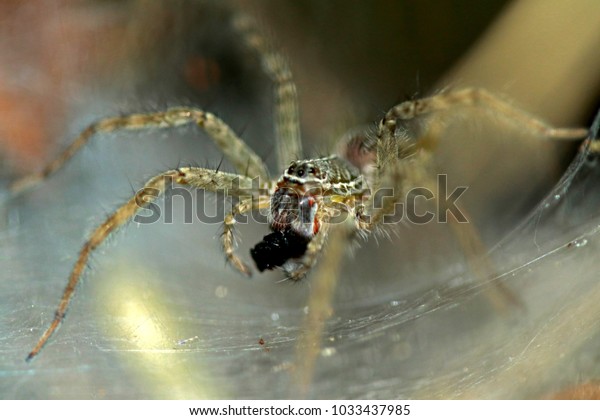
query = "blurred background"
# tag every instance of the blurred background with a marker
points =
(159, 315)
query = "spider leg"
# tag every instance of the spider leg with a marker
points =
(235, 149)
(276, 66)
(474, 97)
(466, 233)
(297, 270)
(207, 179)
(392, 146)
(481, 266)
(409, 173)
(399, 177)
(323, 285)
(228, 238)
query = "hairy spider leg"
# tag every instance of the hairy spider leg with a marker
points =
(296, 271)
(414, 170)
(228, 237)
(391, 146)
(235, 149)
(207, 179)
(481, 265)
(475, 97)
(323, 286)
(276, 67)
(244, 159)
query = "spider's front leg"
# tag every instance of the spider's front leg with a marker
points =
(244, 159)
(228, 238)
(207, 179)
(297, 270)
(474, 97)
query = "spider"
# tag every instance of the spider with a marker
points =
(304, 201)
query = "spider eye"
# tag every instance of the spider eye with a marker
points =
(300, 172)
(291, 169)
(311, 170)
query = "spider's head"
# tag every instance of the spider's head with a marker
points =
(302, 173)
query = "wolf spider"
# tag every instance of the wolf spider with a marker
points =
(305, 199)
